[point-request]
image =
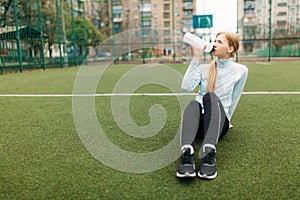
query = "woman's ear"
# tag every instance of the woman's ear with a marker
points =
(230, 49)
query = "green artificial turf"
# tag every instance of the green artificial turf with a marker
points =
(42, 156)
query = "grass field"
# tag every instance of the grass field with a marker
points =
(42, 156)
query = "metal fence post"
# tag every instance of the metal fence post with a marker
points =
(113, 30)
(18, 38)
(41, 35)
(173, 31)
(85, 33)
(73, 34)
(58, 34)
(270, 29)
(143, 31)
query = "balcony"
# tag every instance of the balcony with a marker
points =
(146, 18)
(249, 22)
(118, 28)
(249, 5)
(118, 19)
(282, 4)
(187, 17)
(188, 6)
(117, 9)
(281, 23)
(117, 2)
(146, 23)
(146, 7)
(249, 13)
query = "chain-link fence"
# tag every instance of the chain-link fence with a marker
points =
(38, 34)
(268, 48)
(44, 33)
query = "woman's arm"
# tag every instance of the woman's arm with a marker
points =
(192, 76)
(238, 89)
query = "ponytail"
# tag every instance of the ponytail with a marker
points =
(212, 76)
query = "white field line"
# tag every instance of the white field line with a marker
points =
(136, 94)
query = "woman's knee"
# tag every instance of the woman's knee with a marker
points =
(210, 97)
(194, 106)
(193, 103)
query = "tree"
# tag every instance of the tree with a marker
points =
(5, 5)
(94, 36)
(28, 16)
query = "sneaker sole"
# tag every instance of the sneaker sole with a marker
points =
(205, 176)
(186, 175)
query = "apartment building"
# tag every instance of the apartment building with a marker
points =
(254, 20)
(169, 16)
(113, 16)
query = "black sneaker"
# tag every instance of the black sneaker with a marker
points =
(208, 167)
(186, 167)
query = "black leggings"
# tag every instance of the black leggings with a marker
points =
(210, 126)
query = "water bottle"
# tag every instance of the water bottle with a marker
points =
(198, 42)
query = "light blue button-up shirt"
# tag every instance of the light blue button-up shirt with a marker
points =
(230, 83)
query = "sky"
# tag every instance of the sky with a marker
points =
(224, 13)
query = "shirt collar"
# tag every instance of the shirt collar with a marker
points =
(224, 62)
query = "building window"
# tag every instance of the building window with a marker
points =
(259, 12)
(249, 12)
(293, 10)
(259, 20)
(187, 23)
(167, 32)
(166, 15)
(188, 13)
(259, 2)
(147, 23)
(249, 5)
(177, 5)
(293, 19)
(282, 4)
(155, 23)
(167, 40)
(166, 7)
(188, 4)
(177, 14)
(146, 14)
(155, 15)
(281, 22)
(282, 14)
(117, 15)
(167, 24)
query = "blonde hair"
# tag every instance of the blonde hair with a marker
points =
(233, 41)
